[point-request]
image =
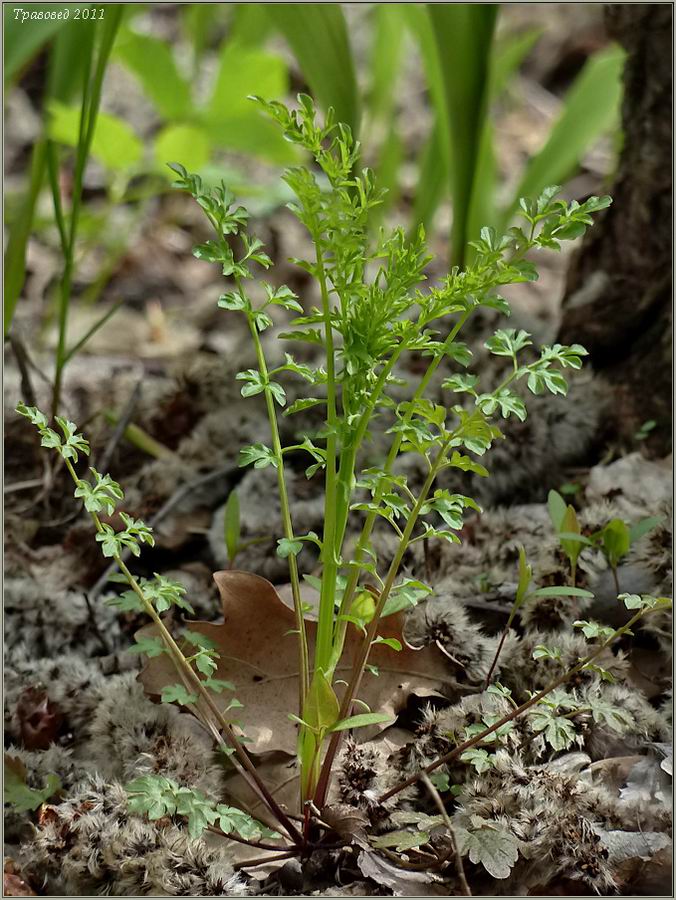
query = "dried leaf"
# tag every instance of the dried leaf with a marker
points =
(39, 718)
(13, 885)
(622, 845)
(402, 882)
(259, 655)
(347, 821)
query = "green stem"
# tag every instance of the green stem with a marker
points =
(361, 659)
(466, 745)
(91, 98)
(189, 676)
(349, 456)
(304, 678)
(365, 536)
(329, 554)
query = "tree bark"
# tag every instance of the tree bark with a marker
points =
(619, 287)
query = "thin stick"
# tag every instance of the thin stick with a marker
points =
(262, 860)
(259, 845)
(122, 422)
(471, 742)
(21, 356)
(464, 886)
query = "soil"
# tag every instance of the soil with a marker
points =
(575, 817)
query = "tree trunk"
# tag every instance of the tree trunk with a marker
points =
(619, 287)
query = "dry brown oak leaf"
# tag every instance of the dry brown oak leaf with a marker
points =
(259, 655)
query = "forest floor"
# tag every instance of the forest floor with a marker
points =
(580, 812)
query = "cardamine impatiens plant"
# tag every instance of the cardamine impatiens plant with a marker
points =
(374, 312)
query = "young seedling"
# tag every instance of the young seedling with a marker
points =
(616, 538)
(565, 522)
(523, 594)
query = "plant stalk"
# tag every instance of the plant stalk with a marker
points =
(304, 678)
(186, 672)
(329, 554)
(471, 742)
(361, 659)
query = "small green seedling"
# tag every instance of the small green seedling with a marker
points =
(645, 430)
(523, 595)
(616, 538)
(566, 524)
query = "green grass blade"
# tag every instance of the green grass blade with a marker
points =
(591, 107)
(385, 60)
(24, 39)
(64, 71)
(91, 99)
(432, 179)
(75, 349)
(317, 34)
(380, 104)
(464, 36)
(505, 60)
(19, 232)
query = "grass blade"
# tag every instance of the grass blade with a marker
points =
(65, 67)
(505, 60)
(591, 107)
(23, 40)
(91, 98)
(92, 331)
(19, 232)
(317, 34)
(463, 34)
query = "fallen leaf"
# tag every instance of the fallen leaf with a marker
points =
(13, 885)
(623, 845)
(39, 718)
(402, 882)
(259, 655)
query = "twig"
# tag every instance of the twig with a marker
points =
(262, 860)
(22, 361)
(460, 869)
(22, 485)
(259, 845)
(477, 739)
(173, 501)
(122, 422)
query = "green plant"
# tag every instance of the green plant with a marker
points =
(372, 314)
(96, 54)
(614, 540)
(192, 655)
(523, 594)
(365, 326)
